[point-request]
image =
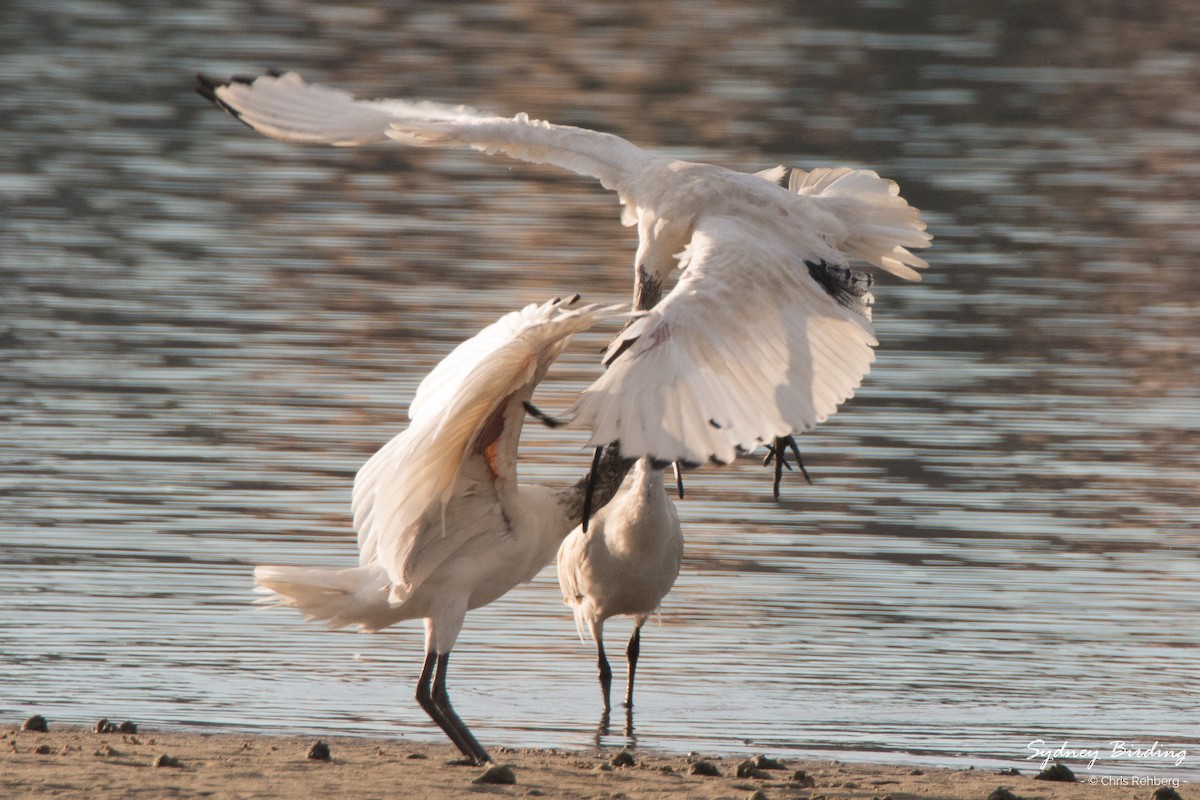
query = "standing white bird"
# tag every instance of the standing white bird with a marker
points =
(443, 526)
(767, 331)
(624, 564)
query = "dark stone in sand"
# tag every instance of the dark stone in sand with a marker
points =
(763, 762)
(36, 723)
(1056, 772)
(801, 777)
(498, 774)
(167, 761)
(746, 769)
(1011, 772)
(104, 726)
(43, 750)
(1002, 794)
(319, 752)
(127, 727)
(706, 768)
(1166, 793)
(623, 759)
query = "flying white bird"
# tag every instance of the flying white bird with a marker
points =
(625, 563)
(766, 332)
(443, 526)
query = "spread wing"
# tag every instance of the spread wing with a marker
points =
(461, 446)
(288, 108)
(756, 340)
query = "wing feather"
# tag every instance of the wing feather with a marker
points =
(402, 492)
(748, 338)
(287, 107)
(880, 224)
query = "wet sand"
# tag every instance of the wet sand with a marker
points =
(74, 762)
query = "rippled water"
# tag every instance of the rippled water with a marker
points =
(204, 333)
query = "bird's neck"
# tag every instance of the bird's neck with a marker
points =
(609, 474)
(644, 511)
(647, 289)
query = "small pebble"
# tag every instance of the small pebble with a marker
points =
(497, 774)
(319, 752)
(1011, 772)
(1056, 772)
(623, 759)
(604, 767)
(746, 769)
(1166, 793)
(36, 723)
(706, 768)
(43, 750)
(167, 761)
(1002, 794)
(417, 756)
(105, 751)
(758, 794)
(763, 762)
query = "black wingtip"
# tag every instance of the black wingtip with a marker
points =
(206, 87)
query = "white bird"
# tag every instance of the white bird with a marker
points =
(766, 332)
(443, 526)
(625, 563)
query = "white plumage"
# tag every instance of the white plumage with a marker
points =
(765, 334)
(443, 526)
(625, 563)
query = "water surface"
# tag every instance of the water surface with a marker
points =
(204, 333)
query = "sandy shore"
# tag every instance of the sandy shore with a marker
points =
(80, 763)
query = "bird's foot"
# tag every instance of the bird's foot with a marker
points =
(777, 451)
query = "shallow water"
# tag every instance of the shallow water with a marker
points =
(204, 333)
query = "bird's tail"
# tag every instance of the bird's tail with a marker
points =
(880, 224)
(339, 597)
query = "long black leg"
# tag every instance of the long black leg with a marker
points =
(679, 480)
(469, 746)
(427, 702)
(631, 653)
(603, 669)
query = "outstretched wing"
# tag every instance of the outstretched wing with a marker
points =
(755, 341)
(288, 108)
(466, 420)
